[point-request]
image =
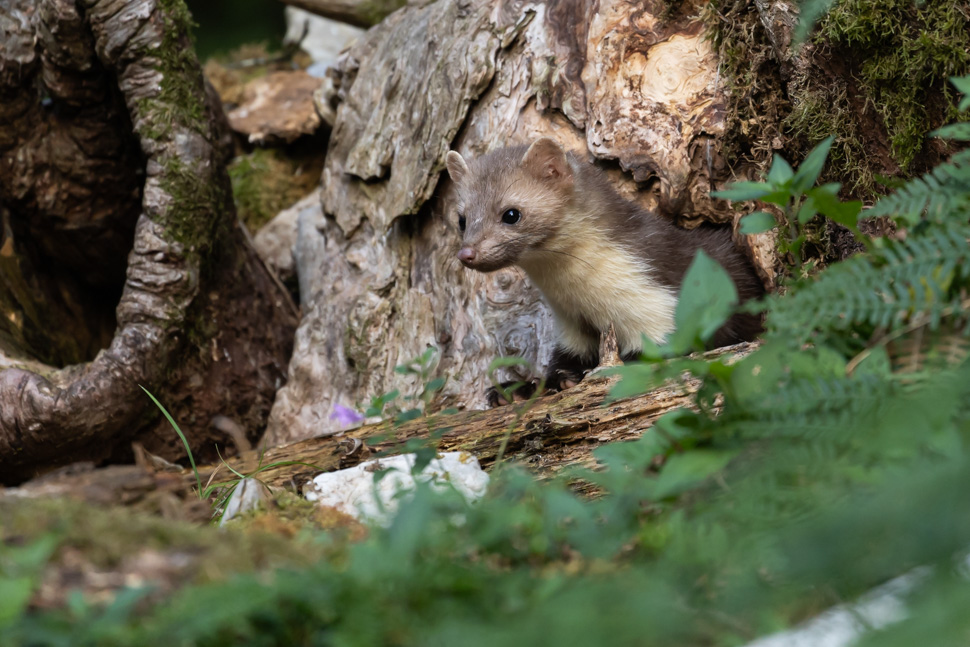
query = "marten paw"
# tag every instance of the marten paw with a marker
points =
(519, 391)
(562, 379)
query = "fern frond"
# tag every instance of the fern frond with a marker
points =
(912, 277)
(937, 194)
(958, 132)
(924, 351)
(809, 407)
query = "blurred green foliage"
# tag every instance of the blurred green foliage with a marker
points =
(828, 461)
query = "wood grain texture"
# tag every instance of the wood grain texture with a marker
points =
(554, 432)
(618, 82)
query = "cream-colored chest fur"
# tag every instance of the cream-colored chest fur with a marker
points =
(600, 283)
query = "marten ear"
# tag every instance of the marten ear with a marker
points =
(546, 160)
(457, 168)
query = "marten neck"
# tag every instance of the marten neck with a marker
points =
(594, 272)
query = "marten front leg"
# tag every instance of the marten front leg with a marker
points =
(566, 370)
(518, 390)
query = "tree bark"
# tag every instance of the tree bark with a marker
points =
(359, 13)
(123, 263)
(617, 81)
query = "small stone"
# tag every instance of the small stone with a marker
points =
(352, 491)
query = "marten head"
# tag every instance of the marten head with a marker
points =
(510, 202)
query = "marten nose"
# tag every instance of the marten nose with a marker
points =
(466, 255)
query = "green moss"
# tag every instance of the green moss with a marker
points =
(267, 181)
(255, 204)
(193, 200)
(181, 98)
(907, 51)
(890, 60)
(107, 536)
(182, 86)
(376, 10)
(815, 115)
(179, 102)
(757, 101)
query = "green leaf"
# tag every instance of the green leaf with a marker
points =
(760, 373)
(633, 455)
(758, 222)
(15, 594)
(962, 83)
(807, 210)
(827, 202)
(407, 416)
(685, 471)
(512, 360)
(20, 569)
(378, 403)
(650, 351)
(809, 170)
(707, 297)
(635, 378)
(780, 198)
(958, 132)
(780, 172)
(742, 191)
(185, 441)
(809, 13)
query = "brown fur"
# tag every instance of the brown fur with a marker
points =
(597, 257)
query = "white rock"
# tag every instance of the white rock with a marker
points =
(275, 241)
(843, 625)
(248, 495)
(353, 490)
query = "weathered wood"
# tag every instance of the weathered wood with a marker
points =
(359, 13)
(551, 433)
(555, 432)
(377, 269)
(114, 174)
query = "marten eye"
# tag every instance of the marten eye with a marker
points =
(461, 224)
(511, 216)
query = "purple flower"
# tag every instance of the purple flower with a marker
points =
(345, 415)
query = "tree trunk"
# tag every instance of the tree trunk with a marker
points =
(377, 270)
(673, 100)
(123, 264)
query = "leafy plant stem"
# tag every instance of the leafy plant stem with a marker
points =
(185, 442)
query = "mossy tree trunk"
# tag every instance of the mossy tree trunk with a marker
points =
(629, 85)
(874, 74)
(672, 99)
(122, 261)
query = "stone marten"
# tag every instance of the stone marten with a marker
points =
(596, 257)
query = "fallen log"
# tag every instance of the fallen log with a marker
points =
(547, 435)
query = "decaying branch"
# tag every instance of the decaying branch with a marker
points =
(547, 435)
